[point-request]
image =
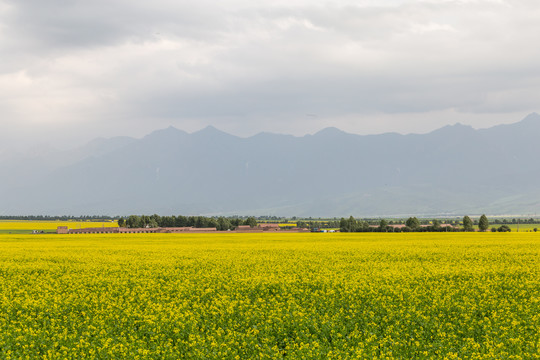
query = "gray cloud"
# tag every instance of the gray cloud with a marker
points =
(124, 67)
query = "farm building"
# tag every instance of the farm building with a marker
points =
(122, 230)
(247, 228)
(270, 227)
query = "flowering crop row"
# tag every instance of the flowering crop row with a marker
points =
(270, 296)
(51, 225)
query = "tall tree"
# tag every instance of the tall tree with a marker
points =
(413, 223)
(223, 224)
(467, 223)
(181, 221)
(343, 225)
(383, 225)
(483, 223)
(133, 221)
(251, 221)
(353, 224)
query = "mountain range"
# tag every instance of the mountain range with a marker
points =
(454, 170)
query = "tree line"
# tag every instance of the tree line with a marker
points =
(153, 221)
(413, 225)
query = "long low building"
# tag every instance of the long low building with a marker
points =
(123, 230)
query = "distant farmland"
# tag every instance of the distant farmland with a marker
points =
(23, 226)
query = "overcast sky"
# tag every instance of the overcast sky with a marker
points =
(72, 70)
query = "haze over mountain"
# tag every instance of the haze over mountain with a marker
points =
(454, 170)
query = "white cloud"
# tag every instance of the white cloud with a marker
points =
(129, 66)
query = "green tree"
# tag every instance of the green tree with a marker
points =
(349, 225)
(483, 223)
(223, 224)
(467, 223)
(413, 223)
(181, 221)
(167, 221)
(212, 223)
(383, 225)
(155, 219)
(121, 222)
(145, 221)
(200, 222)
(343, 225)
(251, 221)
(133, 221)
(353, 224)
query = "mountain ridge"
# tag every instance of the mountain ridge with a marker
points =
(455, 169)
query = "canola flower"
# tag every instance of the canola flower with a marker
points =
(52, 225)
(270, 296)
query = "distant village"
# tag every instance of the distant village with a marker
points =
(144, 224)
(166, 225)
(172, 230)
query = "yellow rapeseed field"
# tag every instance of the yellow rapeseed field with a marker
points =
(6, 225)
(270, 296)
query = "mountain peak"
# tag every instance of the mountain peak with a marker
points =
(330, 131)
(457, 128)
(168, 133)
(212, 132)
(531, 118)
(209, 130)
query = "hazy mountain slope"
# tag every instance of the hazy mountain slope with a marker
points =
(25, 174)
(455, 169)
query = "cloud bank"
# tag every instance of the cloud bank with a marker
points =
(79, 69)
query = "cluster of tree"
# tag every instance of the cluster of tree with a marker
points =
(353, 225)
(412, 224)
(154, 221)
(502, 228)
(516, 221)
